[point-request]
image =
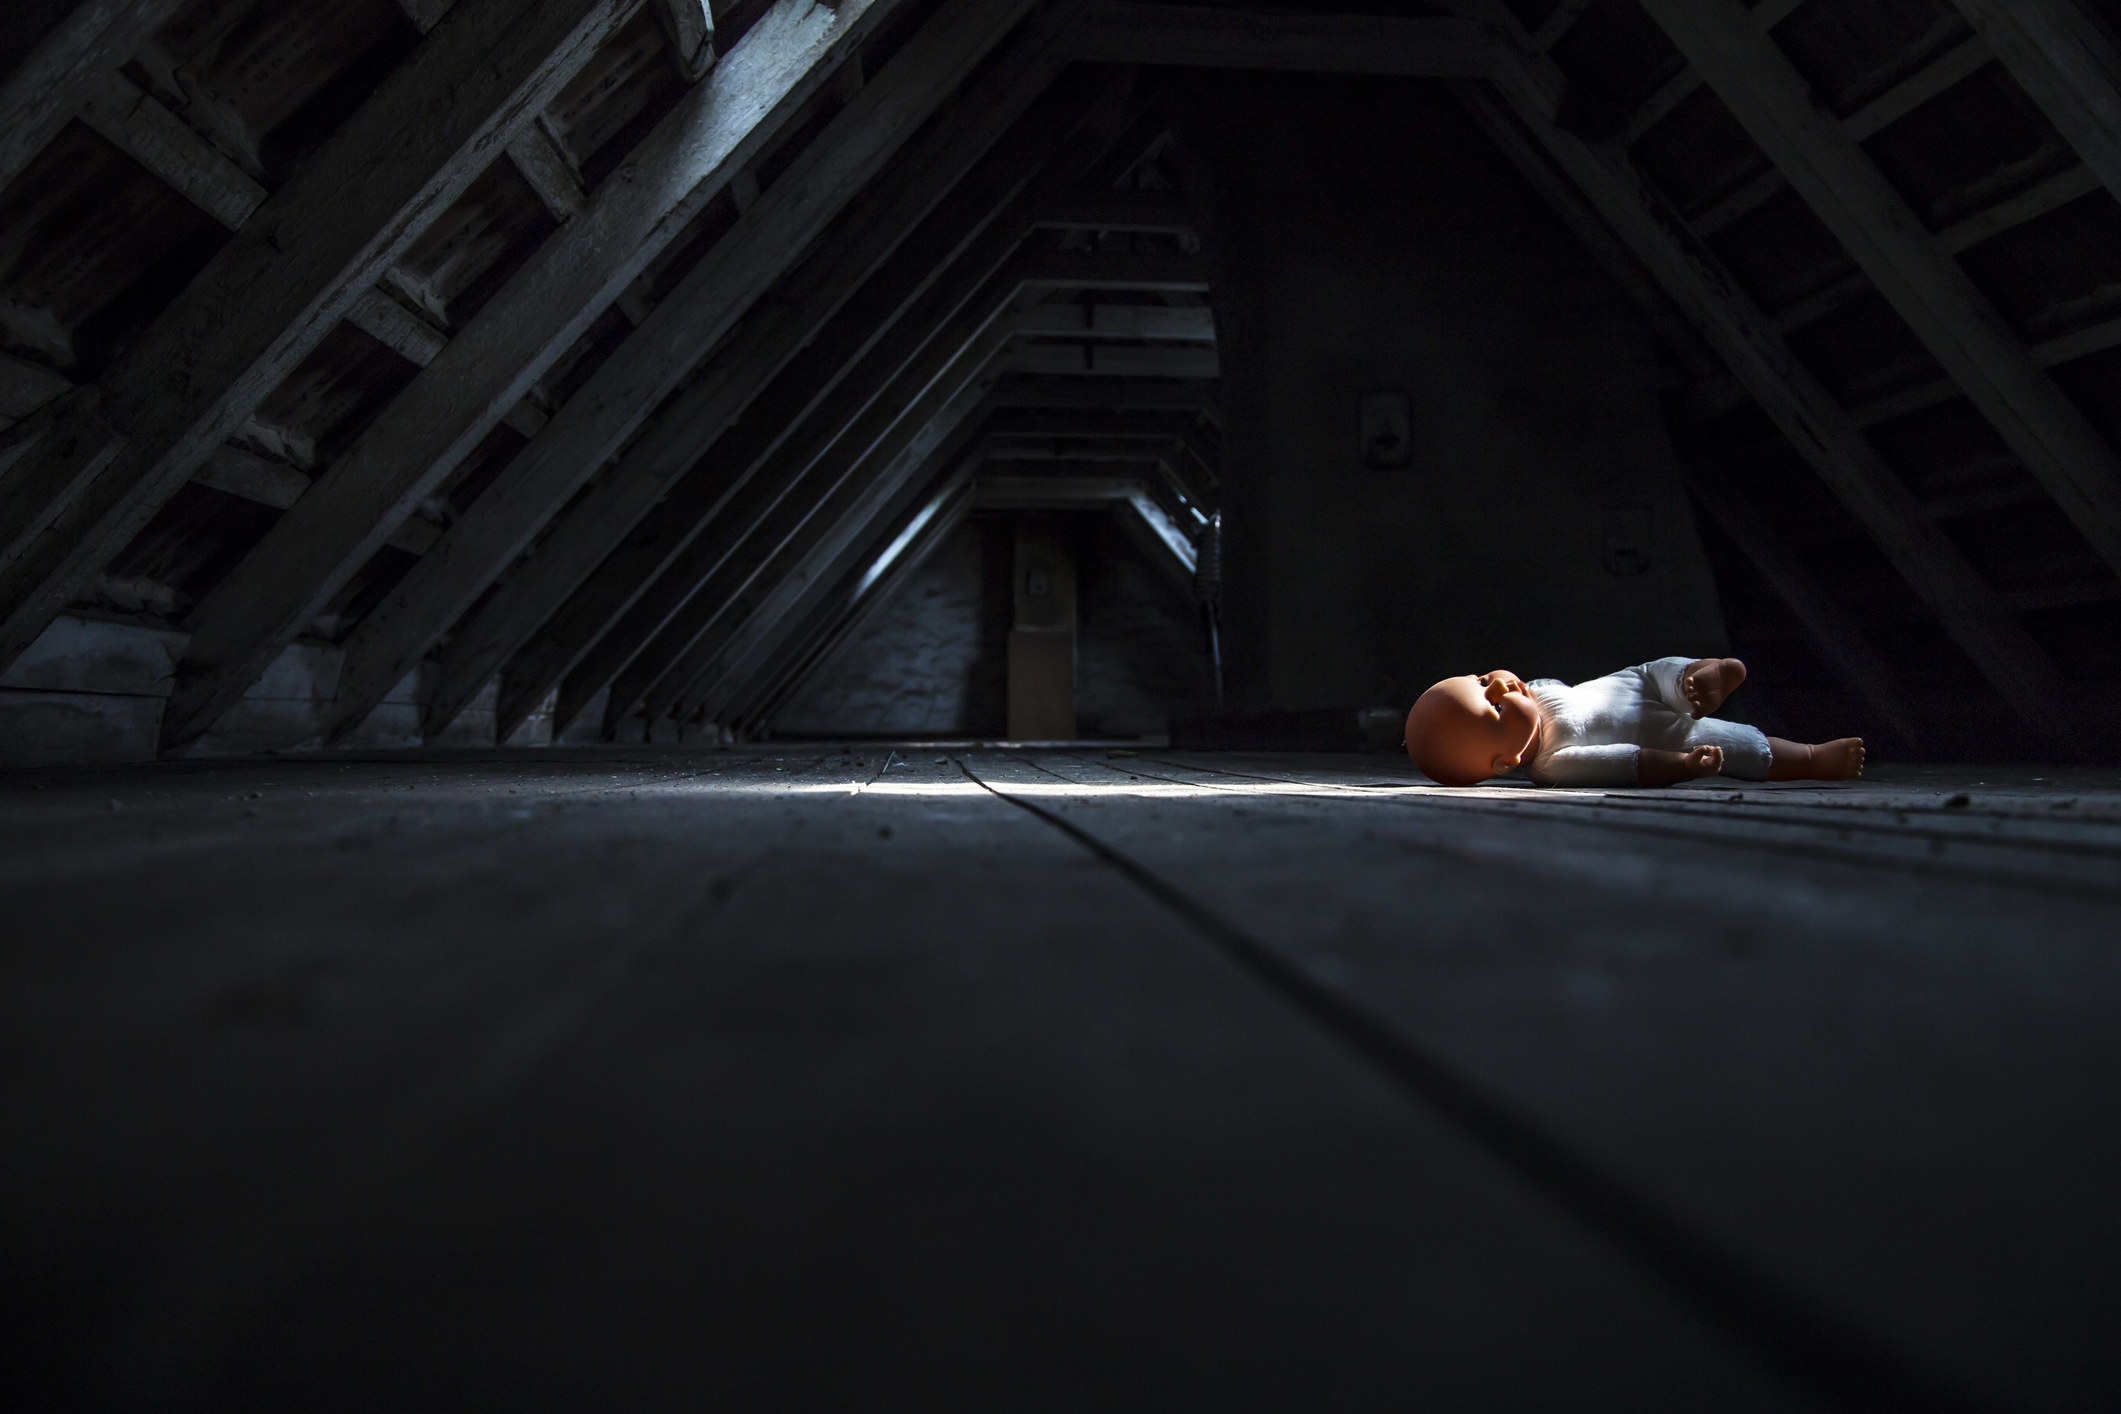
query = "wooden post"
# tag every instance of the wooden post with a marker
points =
(1042, 639)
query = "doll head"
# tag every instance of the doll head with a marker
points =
(1466, 729)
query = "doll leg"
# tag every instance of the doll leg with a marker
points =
(1839, 760)
(1707, 682)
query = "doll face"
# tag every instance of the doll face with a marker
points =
(1466, 729)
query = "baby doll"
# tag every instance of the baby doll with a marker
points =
(1640, 726)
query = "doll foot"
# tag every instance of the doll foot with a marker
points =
(1708, 682)
(1840, 760)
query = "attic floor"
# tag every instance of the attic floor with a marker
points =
(936, 1078)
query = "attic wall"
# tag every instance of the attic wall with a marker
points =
(934, 663)
(1374, 240)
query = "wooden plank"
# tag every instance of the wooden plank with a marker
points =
(1119, 321)
(26, 387)
(549, 171)
(161, 142)
(1949, 69)
(2032, 203)
(2068, 64)
(1122, 32)
(298, 265)
(276, 484)
(1953, 319)
(1839, 640)
(777, 373)
(689, 26)
(487, 368)
(1793, 398)
(620, 396)
(47, 88)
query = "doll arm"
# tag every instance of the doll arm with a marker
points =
(1586, 766)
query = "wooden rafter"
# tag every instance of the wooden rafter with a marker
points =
(1520, 113)
(1952, 318)
(50, 84)
(313, 550)
(2068, 64)
(640, 375)
(266, 299)
(573, 602)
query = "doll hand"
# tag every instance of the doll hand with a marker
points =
(1702, 761)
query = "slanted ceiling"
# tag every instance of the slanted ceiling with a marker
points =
(610, 362)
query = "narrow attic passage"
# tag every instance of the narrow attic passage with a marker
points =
(702, 703)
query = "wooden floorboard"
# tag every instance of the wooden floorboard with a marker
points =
(829, 1076)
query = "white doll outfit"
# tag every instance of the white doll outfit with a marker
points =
(1593, 733)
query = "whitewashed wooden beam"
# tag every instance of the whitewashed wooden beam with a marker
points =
(288, 277)
(1952, 318)
(549, 171)
(1123, 32)
(47, 88)
(620, 397)
(491, 364)
(776, 373)
(689, 26)
(1837, 637)
(2068, 64)
(1527, 93)
(158, 140)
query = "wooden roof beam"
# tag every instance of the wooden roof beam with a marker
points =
(621, 395)
(1527, 93)
(2067, 63)
(48, 87)
(283, 282)
(1922, 281)
(445, 412)
(583, 583)
(896, 393)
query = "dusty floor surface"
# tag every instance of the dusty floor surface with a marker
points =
(937, 1078)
